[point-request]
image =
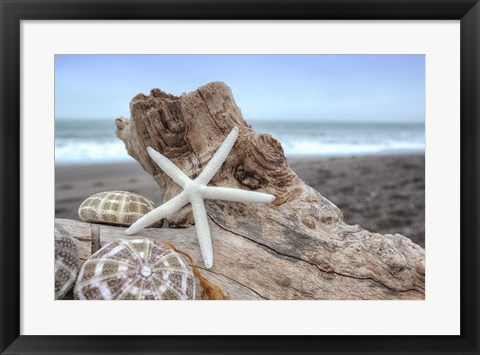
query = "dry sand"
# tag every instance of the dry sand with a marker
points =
(384, 194)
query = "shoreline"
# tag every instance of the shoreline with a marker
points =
(399, 152)
(384, 193)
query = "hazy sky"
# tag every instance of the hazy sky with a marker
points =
(376, 88)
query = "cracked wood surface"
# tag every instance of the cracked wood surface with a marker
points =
(298, 247)
(248, 270)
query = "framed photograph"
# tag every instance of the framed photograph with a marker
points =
(237, 177)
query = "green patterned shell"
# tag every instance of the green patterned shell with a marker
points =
(119, 208)
(135, 269)
(66, 263)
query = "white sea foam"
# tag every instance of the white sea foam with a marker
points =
(305, 147)
(91, 152)
(98, 144)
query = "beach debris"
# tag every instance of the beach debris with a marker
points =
(210, 290)
(66, 263)
(135, 269)
(195, 191)
(117, 208)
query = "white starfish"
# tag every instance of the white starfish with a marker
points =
(194, 192)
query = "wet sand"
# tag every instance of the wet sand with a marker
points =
(385, 194)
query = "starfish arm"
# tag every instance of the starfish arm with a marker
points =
(203, 230)
(168, 167)
(165, 210)
(218, 158)
(237, 195)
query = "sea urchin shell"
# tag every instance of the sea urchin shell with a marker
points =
(119, 208)
(135, 269)
(66, 263)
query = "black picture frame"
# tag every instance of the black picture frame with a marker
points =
(12, 12)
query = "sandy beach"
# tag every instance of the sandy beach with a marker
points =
(384, 193)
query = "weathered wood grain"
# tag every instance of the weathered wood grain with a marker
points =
(246, 270)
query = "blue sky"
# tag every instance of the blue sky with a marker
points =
(347, 88)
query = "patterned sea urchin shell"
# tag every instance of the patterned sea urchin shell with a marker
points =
(119, 208)
(66, 263)
(135, 269)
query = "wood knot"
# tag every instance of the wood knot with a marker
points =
(247, 178)
(326, 267)
(386, 252)
(328, 271)
(311, 198)
(251, 182)
(327, 219)
(309, 222)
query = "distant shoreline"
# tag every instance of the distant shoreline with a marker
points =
(314, 156)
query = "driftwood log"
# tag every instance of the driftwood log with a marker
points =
(298, 247)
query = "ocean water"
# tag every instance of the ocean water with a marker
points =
(94, 141)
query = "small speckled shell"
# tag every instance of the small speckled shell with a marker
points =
(66, 263)
(135, 269)
(118, 208)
